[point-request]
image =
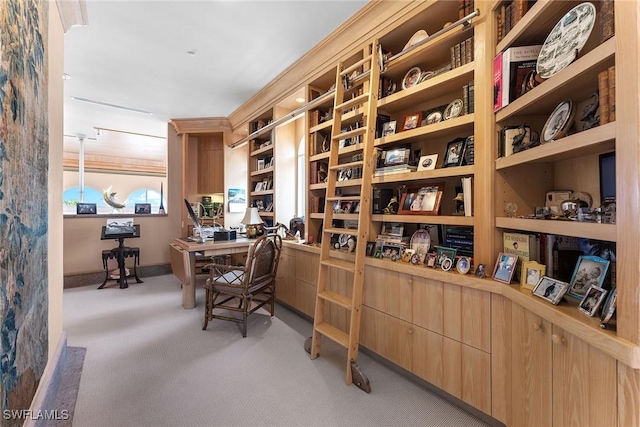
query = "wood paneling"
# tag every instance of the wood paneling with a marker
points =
(476, 318)
(628, 396)
(501, 329)
(452, 306)
(428, 304)
(476, 378)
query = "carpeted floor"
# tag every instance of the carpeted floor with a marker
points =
(149, 363)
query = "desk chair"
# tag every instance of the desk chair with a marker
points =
(244, 289)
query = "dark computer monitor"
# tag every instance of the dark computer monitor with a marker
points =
(607, 177)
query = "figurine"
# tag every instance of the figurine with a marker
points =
(588, 117)
(392, 207)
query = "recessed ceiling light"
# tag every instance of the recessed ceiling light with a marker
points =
(300, 100)
(106, 104)
(66, 76)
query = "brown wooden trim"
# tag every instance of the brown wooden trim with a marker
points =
(200, 125)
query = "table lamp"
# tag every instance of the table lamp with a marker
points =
(252, 222)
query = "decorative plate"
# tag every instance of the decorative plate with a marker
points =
(558, 122)
(609, 308)
(343, 240)
(426, 75)
(463, 265)
(566, 39)
(453, 110)
(434, 117)
(412, 78)
(421, 242)
(446, 264)
(416, 38)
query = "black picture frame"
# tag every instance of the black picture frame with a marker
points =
(454, 155)
(142, 208)
(86, 209)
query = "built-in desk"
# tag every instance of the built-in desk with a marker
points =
(183, 261)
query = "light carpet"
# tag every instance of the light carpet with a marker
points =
(149, 363)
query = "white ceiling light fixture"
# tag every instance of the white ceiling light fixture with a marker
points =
(106, 104)
(300, 100)
(72, 13)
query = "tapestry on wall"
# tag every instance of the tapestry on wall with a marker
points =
(24, 168)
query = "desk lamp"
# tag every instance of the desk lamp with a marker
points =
(252, 222)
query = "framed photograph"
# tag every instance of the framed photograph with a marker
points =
(505, 266)
(590, 270)
(142, 208)
(531, 274)
(258, 186)
(463, 265)
(395, 157)
(481, 271)
(412, 78)
(391, 251)
(446, 264)
(389, 128)
(592, 300)
(89, 209)
(370, 247)
(415, 259)
(430, 260)
(609, 309)
(455, 153)
(427, 162)
(345, 174)
(411, 121)
(407, 254)
(550, 289)
(443, 253)
(260, 164)
(421, 200)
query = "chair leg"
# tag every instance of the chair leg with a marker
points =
(247, 306)
(207, 309)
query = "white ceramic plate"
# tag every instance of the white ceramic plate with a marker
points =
(412, 78)
(558, 122)
(566, 39)
(453, 110)
(421, 242)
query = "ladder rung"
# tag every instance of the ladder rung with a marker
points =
(337, 263)
(342, 166)
(354, 198)
(336, 298)
(355, 66)
(359, 77)
(352, 102)
(350, 134)
(347, 231)
(333, 333)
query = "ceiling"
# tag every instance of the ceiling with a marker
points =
(183, 59)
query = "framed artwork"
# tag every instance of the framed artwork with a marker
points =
(411, 121)
(142, 208)
(399, 156)
(421, 200)
(592, 300)
(258, 186)
(260, 164)
(430, 260)
(391, 251)
(590, 270)
(415, 259)
(369, 249)
(551, 290)
(455, 153)
(446, 264)
(389, 128)
(421, 242)
(407, 254)
(427, 162)
(345, 174)
(463, 265)
(505, 265)
(531, 274)
(443, 253)
(90, 209)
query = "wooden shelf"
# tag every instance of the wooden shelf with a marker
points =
(265, 214)
(321, 156)
(265, 171)
(435, 87)
(425, 219)
(593, 141)
(459, 126)
(261, 193)
(581, 77)
(589, 230)
(316, 215)
(424, 175)
(321, 126)
(263, 150)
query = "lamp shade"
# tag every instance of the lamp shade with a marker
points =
(251, 217)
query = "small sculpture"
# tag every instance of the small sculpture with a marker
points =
(110, 199)
(589, 117)
(392, 207)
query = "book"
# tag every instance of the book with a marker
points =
(516, 63)
(612, 93)
(603, 95)
(497, 82)
(467, 195)
(607, 26)
(521, 244)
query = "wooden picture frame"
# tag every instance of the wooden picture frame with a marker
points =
(550, 289)
(589, 270)
(443, 253)
(504, 268)
(421, 200)
(411, 121)
(532, 272)
(88, 209)
(454, 155)
(430, 260)
(592, 300)
(142, 208)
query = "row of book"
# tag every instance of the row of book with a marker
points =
(460, 239)
(509, 14)
(462, 53)
(607, 95)
(468, 98)
(465, 7)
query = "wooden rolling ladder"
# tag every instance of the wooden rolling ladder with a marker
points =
(347, 78)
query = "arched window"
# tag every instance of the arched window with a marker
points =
(71, 197)
(145, 195)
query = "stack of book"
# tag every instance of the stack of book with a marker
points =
(390, 170)
(510, 14)
(459, 238)
(462, 53)
(510, 68)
